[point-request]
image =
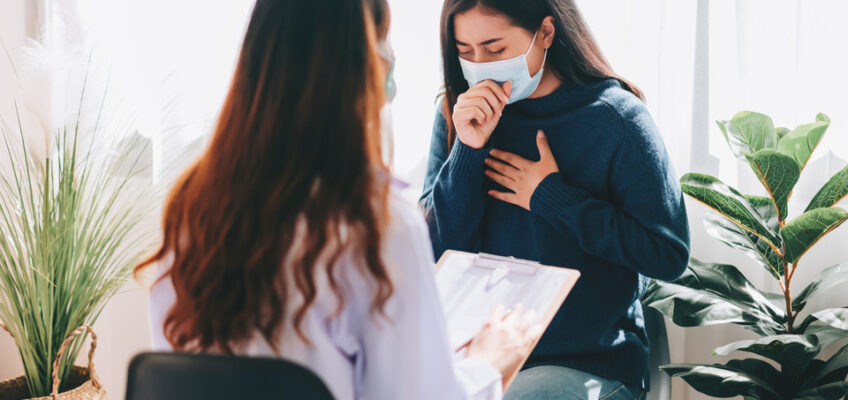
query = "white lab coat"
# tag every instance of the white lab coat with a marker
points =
(360, 355)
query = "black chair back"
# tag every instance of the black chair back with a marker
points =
(660, 388)
(175, 376)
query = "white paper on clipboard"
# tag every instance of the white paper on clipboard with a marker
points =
(470, 285)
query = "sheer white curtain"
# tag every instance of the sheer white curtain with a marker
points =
(697, 60)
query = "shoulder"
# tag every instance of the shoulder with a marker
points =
(440, 123)
(630, 115)
(406, 223)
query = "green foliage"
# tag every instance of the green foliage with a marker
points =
(69, 237)
(829, 277)
(832, 192)
(779, 173)
(749, 132)
(709, 294)
(728, 202)
(800, 143)
(803, 232)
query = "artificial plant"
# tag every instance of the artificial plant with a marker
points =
(710, 294)
(71, 230)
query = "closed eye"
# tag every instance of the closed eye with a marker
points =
(496, 51)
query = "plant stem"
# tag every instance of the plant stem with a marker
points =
(787, 295)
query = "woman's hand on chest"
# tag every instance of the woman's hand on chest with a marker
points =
(520, 175)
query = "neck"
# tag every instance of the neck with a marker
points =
(549, 83)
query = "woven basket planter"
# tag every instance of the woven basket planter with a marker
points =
(84, 381)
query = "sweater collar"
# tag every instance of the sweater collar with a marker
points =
(567, 97)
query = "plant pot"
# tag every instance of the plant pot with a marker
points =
(84, 381)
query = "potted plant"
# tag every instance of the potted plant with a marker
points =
(70, 232)
(710, 294)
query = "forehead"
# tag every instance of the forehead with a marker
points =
(479, 25)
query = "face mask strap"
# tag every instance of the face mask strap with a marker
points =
(532, 42)
(544, 57)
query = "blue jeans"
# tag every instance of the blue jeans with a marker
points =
(554, 382)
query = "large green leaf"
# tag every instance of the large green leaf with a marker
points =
(754, 246)
(765, 207)
(807, 379)
(836, 367)
(829, 277)
(731, 204)
(723, 381)
(761, 370)
(730, 284)
(701, 300)
(795, 351)
(804, 231)
(800, 143)
(832, 192)
(830, 391)
(749, 132)
(824, 333)
(689, 307)
(778, 173)
(834, 317)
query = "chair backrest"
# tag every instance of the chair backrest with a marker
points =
(660, 388)
(173, 376)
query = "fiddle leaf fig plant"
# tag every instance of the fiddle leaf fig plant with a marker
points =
(709, 294)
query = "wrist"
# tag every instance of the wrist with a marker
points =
(476, 145)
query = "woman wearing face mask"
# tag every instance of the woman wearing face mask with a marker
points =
(276, 244)
(540, 151)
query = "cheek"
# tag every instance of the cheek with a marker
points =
(535, 60)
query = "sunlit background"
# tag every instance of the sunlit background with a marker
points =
(697, 60)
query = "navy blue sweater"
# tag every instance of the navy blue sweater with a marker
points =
(614, 212)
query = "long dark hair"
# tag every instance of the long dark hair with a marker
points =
(293, 177)
(574, 56)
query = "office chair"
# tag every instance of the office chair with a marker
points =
(174, 376)
(660, 388)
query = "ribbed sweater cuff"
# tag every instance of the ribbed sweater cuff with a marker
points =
(553, 197)
(467, 163)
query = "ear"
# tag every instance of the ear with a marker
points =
(547, 31)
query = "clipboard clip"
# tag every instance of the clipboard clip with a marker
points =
(502, 266)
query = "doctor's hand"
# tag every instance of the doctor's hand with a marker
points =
(520, 175)
(506, 339)
(478, 110)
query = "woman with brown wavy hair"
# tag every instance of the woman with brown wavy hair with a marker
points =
(284, 239)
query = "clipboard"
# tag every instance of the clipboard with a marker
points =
(470, 285)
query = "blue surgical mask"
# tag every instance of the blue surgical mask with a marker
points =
(386, 121)
(388, 55)
(514, 70)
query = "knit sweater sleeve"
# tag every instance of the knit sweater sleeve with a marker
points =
(453, 198)
(644, 226)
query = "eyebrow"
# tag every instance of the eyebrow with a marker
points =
(488, 42)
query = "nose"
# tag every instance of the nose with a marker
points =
(479, 57)
(482, 56)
